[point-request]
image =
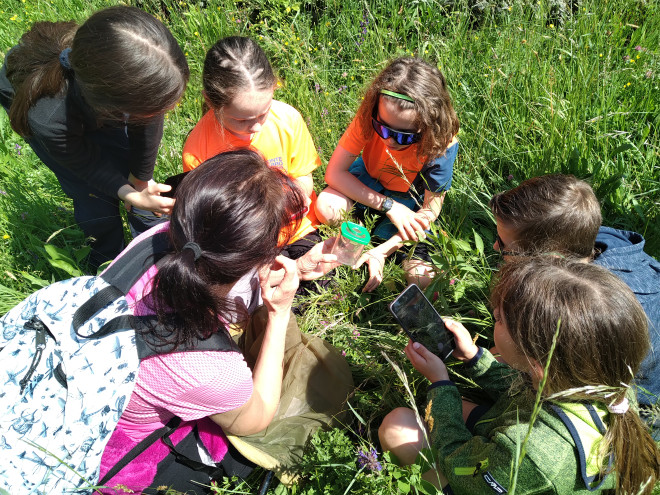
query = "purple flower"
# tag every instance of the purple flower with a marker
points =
(324, 112)
(24, 215)
(369, 460)
(510, 177)
(452, 281)
(317, 87)
(638, 48)
(343, 353)
(626, 58)
(18, 147)
(3, 192)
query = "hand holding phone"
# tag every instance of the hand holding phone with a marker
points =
(419, 319)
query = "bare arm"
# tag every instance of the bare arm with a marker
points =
(257, 413)
(375, 258)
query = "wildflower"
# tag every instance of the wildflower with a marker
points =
(24, 215)
(435, 295)
(452, 281)
(18, 147)
(343, 353)
(317, 87)
(344, 74)
(626, 58)
(6, 236)
(649, 75)
(342, 88)
(638, 48)
(552, 26)
(510, 177)
(196, 33)
(324, 112)
(356, 334)
(600, 54)
(369, 460)
(3, 192)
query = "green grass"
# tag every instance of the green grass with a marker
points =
(538, 86)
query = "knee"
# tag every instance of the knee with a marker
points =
(418, 272)
(331, 206)
(399, 427)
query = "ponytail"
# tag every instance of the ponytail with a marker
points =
(34, 69)
(227, 221)
(636, 456)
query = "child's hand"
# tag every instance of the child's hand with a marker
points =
(407, 222)
(466, 349)
(375, 260)
(427, 363)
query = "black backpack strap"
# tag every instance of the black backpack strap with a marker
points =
(127, 270)
(121, 276)
(166, 430)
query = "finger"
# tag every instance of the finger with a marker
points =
(157, 188)
(363, 259)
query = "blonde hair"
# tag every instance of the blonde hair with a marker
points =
(602, 339)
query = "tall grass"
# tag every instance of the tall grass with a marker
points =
(539, 87)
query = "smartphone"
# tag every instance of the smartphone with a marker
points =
(173, 181)
(419, 319)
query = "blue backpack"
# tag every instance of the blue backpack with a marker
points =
(69, 356)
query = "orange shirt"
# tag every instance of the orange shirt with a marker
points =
(378, 163)
(284, 141)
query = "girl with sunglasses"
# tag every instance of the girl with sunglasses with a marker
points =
(405, 131)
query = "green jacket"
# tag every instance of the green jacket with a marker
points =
(482, 462)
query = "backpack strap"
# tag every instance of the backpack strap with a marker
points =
(146, 442)
(121, 276)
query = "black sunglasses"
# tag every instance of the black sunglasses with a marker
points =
(402, 138)
(502, 251)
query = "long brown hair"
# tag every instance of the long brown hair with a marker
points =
(126, 62)
(602, 340)
(426, 85)
(551, 213)
(34, 69)
(233, 206)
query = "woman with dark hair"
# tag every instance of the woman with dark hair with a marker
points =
(90, 101)
(225, 238)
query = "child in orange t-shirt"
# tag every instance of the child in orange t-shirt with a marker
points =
(406, 131)
(238, 85)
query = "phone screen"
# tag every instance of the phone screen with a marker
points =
(417, 316)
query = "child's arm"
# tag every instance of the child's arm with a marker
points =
(375, 258)
(338, 177)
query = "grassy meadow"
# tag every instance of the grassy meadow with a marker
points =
(539, 87)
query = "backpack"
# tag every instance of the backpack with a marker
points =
(69, 356)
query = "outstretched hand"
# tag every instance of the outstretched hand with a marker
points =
(148, 198)
(317, 261)
(375, 260)
(410, 225)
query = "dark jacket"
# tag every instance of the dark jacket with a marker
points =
(66, 133)
(622, 253)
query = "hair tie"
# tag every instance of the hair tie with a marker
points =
(64, 58)
(194, 247)
(620, 408)
(396, 95)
